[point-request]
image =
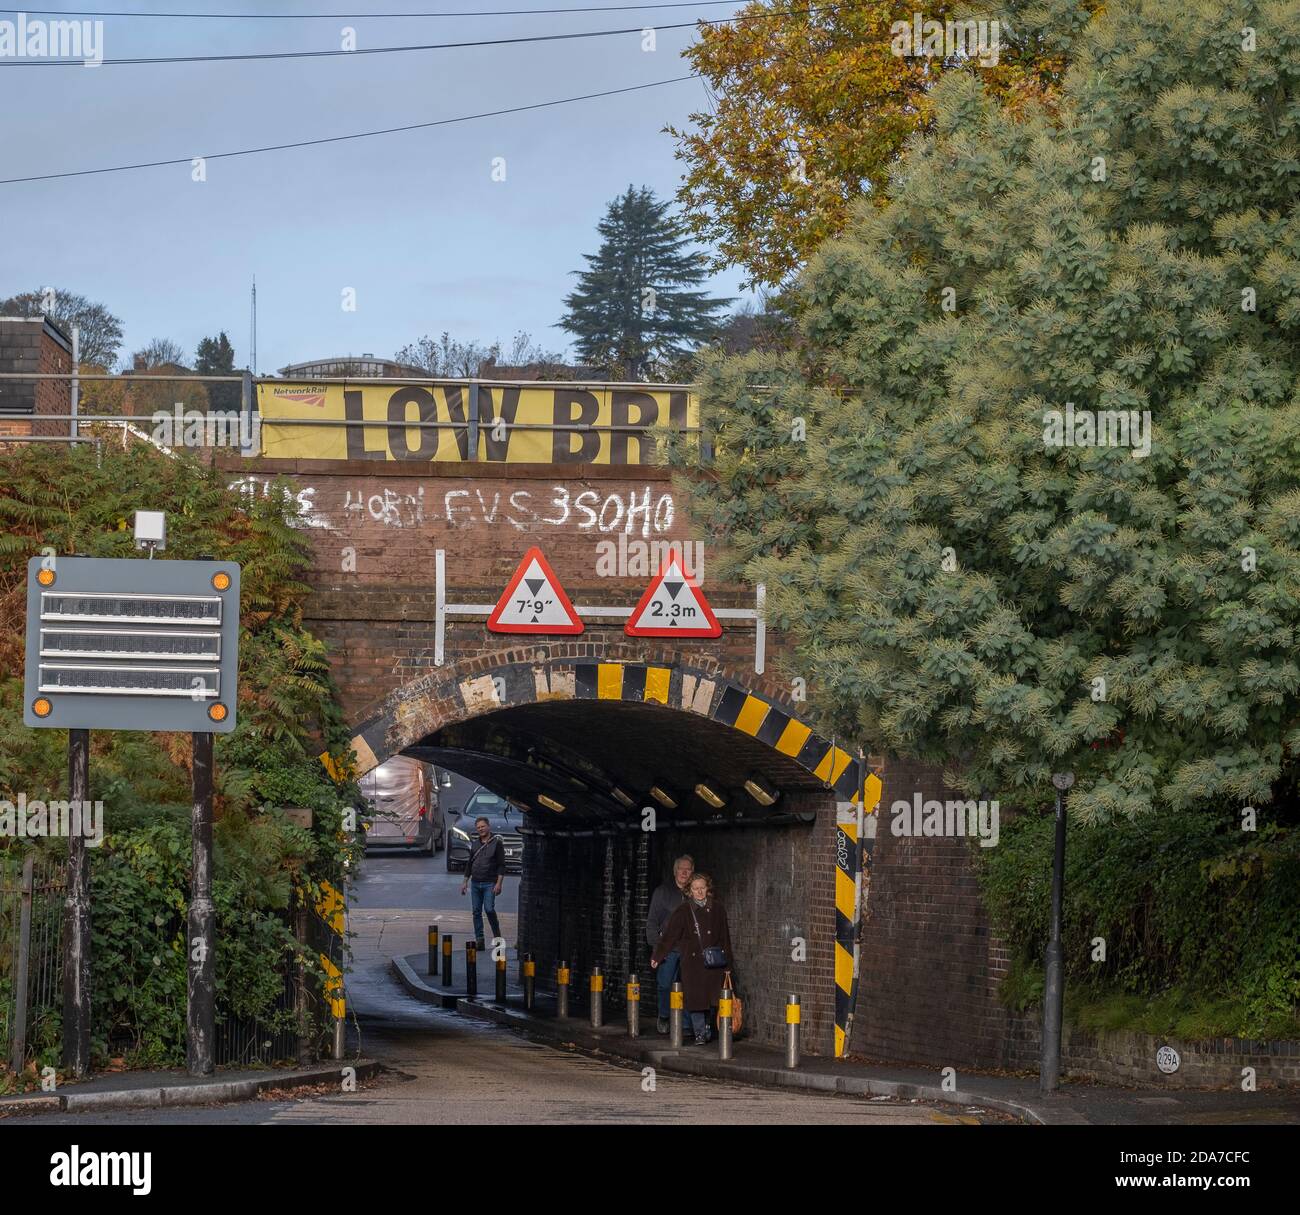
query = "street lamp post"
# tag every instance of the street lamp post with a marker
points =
(1049, 1072)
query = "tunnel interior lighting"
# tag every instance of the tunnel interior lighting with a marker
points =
(550, 803)
(624, 798)
(663, 797)
(710, 795)
(761, 791)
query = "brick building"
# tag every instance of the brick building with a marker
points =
(34, 345)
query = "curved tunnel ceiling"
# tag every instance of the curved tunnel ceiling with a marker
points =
(578, 752)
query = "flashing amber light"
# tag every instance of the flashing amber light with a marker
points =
(221, 580)
(217, 712)
(45, 577)
(42, 707)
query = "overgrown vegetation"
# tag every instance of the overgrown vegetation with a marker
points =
(1200, 922)
(963, 586)
(265, 866)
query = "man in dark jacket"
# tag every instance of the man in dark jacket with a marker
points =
(484, 872)
(665, 900)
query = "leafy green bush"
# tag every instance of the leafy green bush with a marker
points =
(264, 867)
(1201, 921)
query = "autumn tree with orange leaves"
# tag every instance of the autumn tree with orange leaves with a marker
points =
(811, 108)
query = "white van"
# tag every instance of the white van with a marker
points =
(402, 807)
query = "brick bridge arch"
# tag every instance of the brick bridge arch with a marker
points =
(657, 692)
(593, 728)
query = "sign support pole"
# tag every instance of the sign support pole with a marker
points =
(1049, 1068)
(200, 1012)
(76, 917)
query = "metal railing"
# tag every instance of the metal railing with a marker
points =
(473, 422)
(31, 960)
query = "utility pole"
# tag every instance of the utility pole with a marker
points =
(201, 969)
(1049, 1071)
(76, 917)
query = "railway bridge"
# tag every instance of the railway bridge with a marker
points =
(422, 504)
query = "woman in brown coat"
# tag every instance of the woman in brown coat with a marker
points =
(700, 921)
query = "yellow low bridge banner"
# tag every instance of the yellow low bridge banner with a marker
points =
(551, 424)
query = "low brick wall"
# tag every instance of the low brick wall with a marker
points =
(1129, 1059)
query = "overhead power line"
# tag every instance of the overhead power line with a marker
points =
(501, 12)
(308, 143)
(427, 46)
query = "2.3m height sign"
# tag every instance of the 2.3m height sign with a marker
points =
(673, 606)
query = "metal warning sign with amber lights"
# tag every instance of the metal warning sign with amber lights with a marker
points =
(126, 644)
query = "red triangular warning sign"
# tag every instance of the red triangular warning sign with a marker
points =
(534, 601)
(673, 606)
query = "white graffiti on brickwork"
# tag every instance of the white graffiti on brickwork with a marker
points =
(309, 515)
(632, 512)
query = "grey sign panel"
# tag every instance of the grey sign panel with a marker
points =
(132, 644)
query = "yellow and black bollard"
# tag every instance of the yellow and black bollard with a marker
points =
(433, 949)
(597, 998)
(501, 979)
(562, 990)
(676, 1015)
(471, 969)
(446, 960)
(724, 1024)
(633, 1007)
(792, 1018)
(530, 982)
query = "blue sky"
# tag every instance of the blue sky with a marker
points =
(412, 222)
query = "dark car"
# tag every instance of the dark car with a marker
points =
(505, 821)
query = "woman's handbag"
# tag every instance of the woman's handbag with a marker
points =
(715, 957)
(737, 1006)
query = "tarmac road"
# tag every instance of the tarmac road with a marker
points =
(448, 1069)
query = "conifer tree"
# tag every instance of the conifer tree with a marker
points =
(216, 356)
(970, 577)
(635, 307)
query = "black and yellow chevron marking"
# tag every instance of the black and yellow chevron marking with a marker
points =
(846, 919)
(733, 706)
(850, 862)
(331, 908)
(652, 684)
(622, 681)
(764, 721)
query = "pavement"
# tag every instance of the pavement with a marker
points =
(158, 1089)
(426, 1055)
(1076, 1103)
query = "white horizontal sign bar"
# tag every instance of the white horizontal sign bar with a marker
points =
(595, 611)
